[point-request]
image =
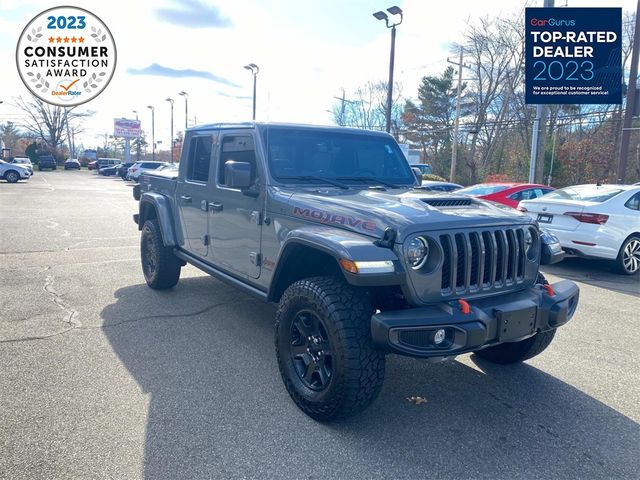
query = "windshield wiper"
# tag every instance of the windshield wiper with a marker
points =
(370, 179)
(319, 179)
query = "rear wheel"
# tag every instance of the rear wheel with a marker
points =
(514, 352)
(628, 261)
(12, 176)
(160, 266)
(324, 350)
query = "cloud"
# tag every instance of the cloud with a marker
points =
(193, 14)
(159, 70)
(237, 97)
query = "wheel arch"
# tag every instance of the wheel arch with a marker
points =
(153, 205)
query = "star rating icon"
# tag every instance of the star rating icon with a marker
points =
(66, 40)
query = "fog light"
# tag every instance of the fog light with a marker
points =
(439, 336)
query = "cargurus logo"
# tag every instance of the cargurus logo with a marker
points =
(552, 22)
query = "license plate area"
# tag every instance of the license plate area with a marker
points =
(514, 324)
(544, 218)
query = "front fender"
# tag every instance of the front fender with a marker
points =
(342, 244)
(151, 202)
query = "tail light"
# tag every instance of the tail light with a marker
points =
(522, 209)
(594, 218)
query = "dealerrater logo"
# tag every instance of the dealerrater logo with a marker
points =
(66, 56)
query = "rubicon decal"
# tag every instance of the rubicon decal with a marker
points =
(328, 217)
(66, 56)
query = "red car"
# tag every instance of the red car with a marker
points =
(92, 165)
(508, 194)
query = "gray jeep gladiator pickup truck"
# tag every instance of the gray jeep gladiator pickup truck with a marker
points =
(331, 224)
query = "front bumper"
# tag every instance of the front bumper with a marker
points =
(490, 321)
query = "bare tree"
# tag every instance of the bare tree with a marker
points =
(47, 122)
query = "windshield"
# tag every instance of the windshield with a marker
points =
(587, 193)
(313, 155)
(482, 189)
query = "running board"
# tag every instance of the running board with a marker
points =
(220, 275)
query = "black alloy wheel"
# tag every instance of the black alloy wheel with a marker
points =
(310, 351)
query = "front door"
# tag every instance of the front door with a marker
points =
(192, 194)
(236, 217)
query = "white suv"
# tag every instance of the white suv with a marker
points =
(139, 168)
(12, 172)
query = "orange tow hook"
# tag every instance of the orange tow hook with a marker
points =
(464, 306)
(549, 289)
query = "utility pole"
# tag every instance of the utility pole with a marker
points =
(631, 100)
(454, 147)
(536, 166)
(69, 141)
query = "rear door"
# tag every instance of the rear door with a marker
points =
(192, 192)
(236, 216)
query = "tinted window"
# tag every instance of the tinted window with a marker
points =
(634, 202)
(483, 189)
(199, 158)
(239, 148)
(336, 155)
(587, 193)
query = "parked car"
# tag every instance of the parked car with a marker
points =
(139, 168)
(423, 167)
(508, 194)
(103, 162)
(92, 165)
(13, 172)
(47, 161)
(71, 164)
(434, 186)
(327, 223)
(109, 170)
(24, 161)
(121, 170)
(593, 221)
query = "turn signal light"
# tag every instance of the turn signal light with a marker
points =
(594, 218)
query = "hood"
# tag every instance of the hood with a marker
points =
(371, 211)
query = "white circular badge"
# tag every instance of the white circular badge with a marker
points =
(66, 56)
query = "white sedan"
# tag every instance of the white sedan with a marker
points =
(593, 221)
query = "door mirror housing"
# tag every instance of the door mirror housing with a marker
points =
(418, 174)
(237, 174)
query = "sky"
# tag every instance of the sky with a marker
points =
(307, 51)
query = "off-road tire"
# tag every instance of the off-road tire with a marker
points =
(11, 176)
(513, 352)
(357, 368)
(161, 268)
(629, 244)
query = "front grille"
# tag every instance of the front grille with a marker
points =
(482, 260)
(448, 202)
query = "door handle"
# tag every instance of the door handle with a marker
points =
(215, 206)
(185, 198)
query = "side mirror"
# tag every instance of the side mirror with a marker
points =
(418, 174)
(237, 174)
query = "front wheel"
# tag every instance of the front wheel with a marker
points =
(12, 176)
(324, 349)
(628, 261)
(160, 266)
(513, 352)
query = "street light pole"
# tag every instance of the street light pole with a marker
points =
(253, 68)
(395, 10)
(170, 100)
(153, 132)
(186, 109)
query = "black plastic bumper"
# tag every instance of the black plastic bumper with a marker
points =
(418, 332)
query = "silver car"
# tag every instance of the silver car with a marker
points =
(12, 172)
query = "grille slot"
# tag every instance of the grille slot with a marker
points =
(486, 260)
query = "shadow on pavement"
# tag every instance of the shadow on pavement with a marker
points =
(204, 354)
(599, 273)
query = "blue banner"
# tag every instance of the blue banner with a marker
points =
(573, 55)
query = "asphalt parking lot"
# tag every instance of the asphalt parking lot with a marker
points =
(102, 377)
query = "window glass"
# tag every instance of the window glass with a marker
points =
(238, 148)
(634, 202)
(483, 189)
(336, 155)
(199, 158)
(588, 193)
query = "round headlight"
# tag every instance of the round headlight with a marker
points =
(528, 240)
(416, 252)
(531, 243)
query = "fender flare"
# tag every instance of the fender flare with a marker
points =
(162, 207)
